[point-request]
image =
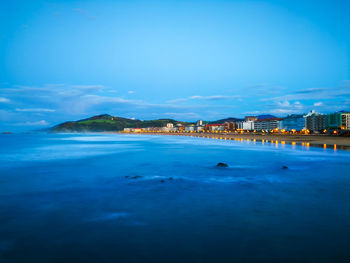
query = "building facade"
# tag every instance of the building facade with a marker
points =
(293, 122)
(267, 124)
(251, 118)
(338, 120)
(345, 118)
(230, 126)
(214, 127)
(315, 121)
(199, 123)
(246, 125)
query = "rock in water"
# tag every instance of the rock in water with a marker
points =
(222, 165)
(284, 167)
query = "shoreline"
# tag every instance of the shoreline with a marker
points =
(319, 141)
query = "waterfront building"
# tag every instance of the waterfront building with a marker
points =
(199, 123)
(230, 126)
(246, 125)
(338, 120)
(293, 122)
(200, 128)
(267, 124)
(345, 118)
(315, 121)
(214, 127)
(170, 125)
(251, 118)
(190, 128)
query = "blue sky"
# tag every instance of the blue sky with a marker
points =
(188, 60)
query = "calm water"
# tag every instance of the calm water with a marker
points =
(110, 198)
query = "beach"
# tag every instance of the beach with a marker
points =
(324, 141)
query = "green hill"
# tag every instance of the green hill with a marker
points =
(108, 123)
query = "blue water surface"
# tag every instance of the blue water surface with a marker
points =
(144, 198)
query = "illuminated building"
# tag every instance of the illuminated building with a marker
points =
(267, 124)
(293, 122)
(315, 121)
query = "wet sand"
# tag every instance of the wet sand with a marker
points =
(324, 141)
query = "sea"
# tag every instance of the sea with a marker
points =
(148, 198)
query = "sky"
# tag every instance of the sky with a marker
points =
(187, 60)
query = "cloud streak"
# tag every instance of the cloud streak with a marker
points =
(36, 110)
(206, 98)
(4, 100)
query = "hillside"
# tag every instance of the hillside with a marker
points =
(222, 121)
(108, 123)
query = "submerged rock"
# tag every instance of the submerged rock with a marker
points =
(162, 181)
(284, 167)
(222, 165)
(136, 177)
(170, 178)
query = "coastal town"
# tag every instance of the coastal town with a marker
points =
(328, 131)
(337, 123)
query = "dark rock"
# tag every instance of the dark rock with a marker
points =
(222, 165)
(136, 177)
(170, 178)
(162, 181)
(126, 176)
(284, 167)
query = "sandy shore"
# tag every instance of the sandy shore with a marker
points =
(324, 141)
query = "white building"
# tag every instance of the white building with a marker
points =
(199, 123)
(190, 128)
(246, 125)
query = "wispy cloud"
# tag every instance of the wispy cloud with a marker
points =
(179, 115)
(207, 98)
(36, 110)
(4, 100)
(33, 123)
(343, 91)
(318, 104)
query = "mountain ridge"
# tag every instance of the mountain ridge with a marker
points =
(108, 123)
